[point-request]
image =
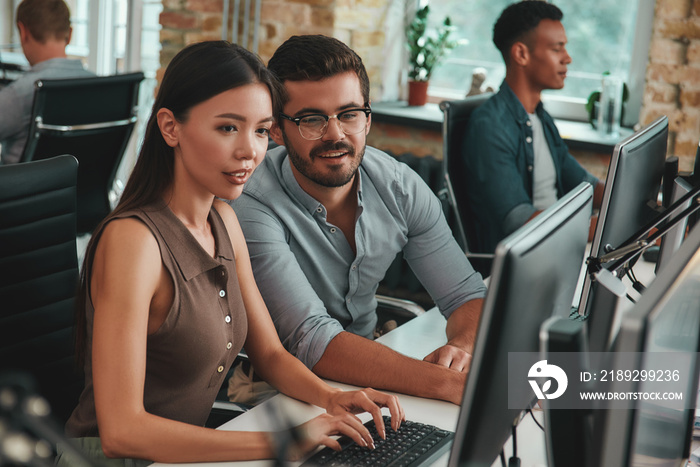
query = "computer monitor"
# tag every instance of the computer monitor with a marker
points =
(671, 241)
(629, 204)
(666, 319)
(534, 276)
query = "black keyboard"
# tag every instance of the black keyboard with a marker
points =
(413, 445)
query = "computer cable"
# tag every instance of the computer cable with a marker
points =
(514, 461)
(532, 414)
(636, 283)
(503, 458)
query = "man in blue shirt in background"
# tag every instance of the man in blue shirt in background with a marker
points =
(44, 32)
(516, 162)
(324, 216)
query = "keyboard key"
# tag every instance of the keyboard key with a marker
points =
(413, 445)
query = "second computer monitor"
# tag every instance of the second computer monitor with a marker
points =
(631, 191)
(534, 276)
(660, 335)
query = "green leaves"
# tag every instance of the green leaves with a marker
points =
(426, 50)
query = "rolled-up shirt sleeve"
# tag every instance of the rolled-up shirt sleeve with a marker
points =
(299, 315)
(431, 250)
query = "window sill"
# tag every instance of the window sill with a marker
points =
(577, 135)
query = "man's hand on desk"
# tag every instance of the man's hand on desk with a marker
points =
(450, 356)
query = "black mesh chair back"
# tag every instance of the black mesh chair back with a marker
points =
(38, 277)
(92, 119)
(455, 119)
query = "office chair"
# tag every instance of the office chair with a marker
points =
(456, 117)
(92, 119)
(39, 276)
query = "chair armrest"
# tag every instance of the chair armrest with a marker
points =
(480, 255)
(400, 304)
(230, 406)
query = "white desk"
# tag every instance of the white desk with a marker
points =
(416, 339)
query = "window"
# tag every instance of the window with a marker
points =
(602, 36)
(111, 36)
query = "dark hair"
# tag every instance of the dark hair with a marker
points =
(197, 73)
(45, 19)
(518, 20)
(313, 58)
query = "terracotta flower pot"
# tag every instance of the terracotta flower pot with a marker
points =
(417, 92)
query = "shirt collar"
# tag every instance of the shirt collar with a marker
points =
(55, 62)
(189, 255)
(310, 203)
(514, 104)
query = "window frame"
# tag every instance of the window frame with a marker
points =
(573, 108)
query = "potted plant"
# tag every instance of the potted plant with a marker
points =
(425, 52)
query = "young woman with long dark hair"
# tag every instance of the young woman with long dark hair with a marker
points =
(167, 293)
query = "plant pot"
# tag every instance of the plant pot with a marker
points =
(417, 92)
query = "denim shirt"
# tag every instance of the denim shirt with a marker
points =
(499, 162)
(313, 284)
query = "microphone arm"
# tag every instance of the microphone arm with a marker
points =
(641, 240)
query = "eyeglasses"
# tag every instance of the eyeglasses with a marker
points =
(314, 126)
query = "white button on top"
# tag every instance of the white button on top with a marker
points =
(529, 168)
(529, 139)
(229, 345)
(222, 293)
(319, 209)
(333, 229)
(529, 123)
(227, 319)
(353, 267)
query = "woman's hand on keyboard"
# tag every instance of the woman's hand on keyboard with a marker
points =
(371, 401)
(319, 431)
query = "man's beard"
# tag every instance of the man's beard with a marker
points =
(338, 176)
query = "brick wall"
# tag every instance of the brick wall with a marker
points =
(672, 80)
(358, 23)
(673, 76)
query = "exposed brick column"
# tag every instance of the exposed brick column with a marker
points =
(673, 76)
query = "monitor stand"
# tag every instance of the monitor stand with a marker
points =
(607, 295)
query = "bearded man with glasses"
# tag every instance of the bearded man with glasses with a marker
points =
(324, 216)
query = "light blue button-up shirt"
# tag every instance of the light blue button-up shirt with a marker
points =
(313, 284)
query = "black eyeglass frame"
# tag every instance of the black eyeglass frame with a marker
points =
(297, 120)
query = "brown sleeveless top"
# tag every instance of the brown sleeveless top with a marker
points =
(188, 357)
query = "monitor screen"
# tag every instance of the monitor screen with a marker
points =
(671, 241)
(629, 200)
(534, 276)
(663, 325)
